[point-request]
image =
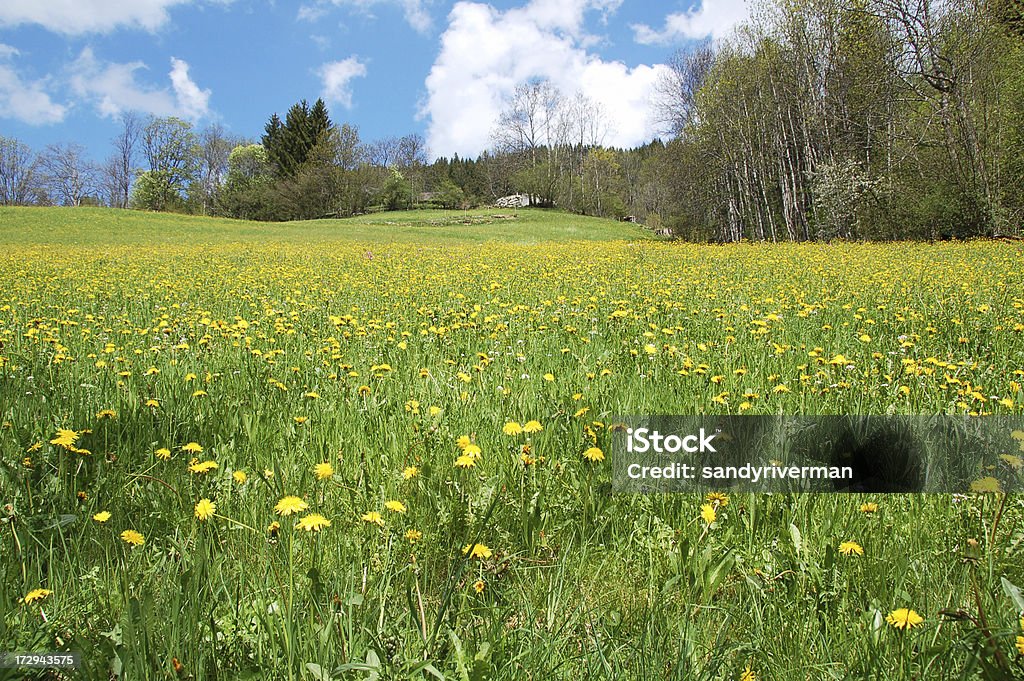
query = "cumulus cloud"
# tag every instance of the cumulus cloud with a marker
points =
(709, 18)
(26, 101)
(336, 77)
(75, 17)
(415, 11)
(114, 87)
(485, 53)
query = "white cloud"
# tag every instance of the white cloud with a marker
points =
(415, 12)
(336, 77)
(26, 101)
(113, 88)
(485, 53)
(710, 18)
(75, 17)
(193, 102)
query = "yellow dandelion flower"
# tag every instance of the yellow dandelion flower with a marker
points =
(152, 403)
(1020, 645)
(708, 514)
(239, 477)
(748, 674)
(532, 427)
(987, 485)
(410, 472)
(477, 551)
(163, 454)
(413, 536)
(363, 390)
(851, 548)
(395, 506)
(463, 442)
(300, 420)
(593, 454)
(904, 618)
(102, 516)
(512, 428)
(1017, 435)
(199, 467)
(36, 595)
(205, 509)
(273, 529)
(472, 450)
(192, 448)
(314, 522)
(869, 507)
(289, 505)
(372, 517)
(465, 461)
(65, 438)
(549, 377)
(132, 537)
(1012, 461)
(322, 471)
(479, 586)
(106, 414)
(717, 499)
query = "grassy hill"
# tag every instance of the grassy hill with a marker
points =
(21, 225)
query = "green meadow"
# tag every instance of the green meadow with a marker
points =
(379, 448)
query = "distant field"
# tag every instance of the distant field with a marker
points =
(102, 225)
(375, 448)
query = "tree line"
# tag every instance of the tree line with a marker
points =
(815, 119)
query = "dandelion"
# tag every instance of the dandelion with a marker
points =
(322, 471)
(717, 499)
(205, 509)
(36, 595)
(372, 517)
(300, 420)
(363, 390)
(904, 618)
(163, 454)
(532, 427)
(463, 442)
(512, 428)
(593, 454)
(413, 536)
(152, 403)
(707, 513)
(198, 467)
(395, 506)
(101, 517)
(289, 505)
(479, 586)
(465, 461)
(1017, 435)
(748, 674)
(472, 450)
(65, 438)
(192, 448)
(851, 548)
(239, 477)
(549, 377)
(477, 551)
(410, 472)
(314, 522)
(987, 485)
(133, 538)
(106, 414)
(869, 507)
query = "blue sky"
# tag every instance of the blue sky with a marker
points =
(390, 67)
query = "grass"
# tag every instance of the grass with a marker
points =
(152, 337)
(96, 226)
